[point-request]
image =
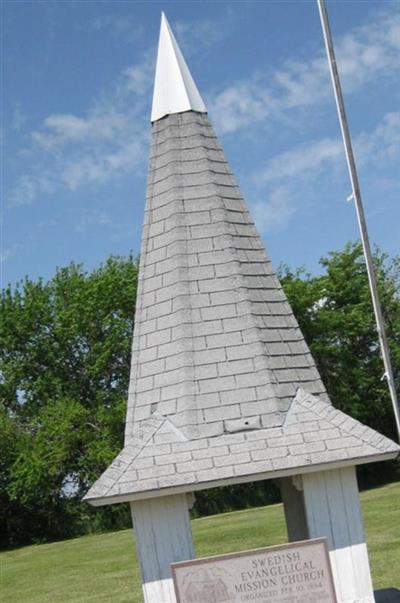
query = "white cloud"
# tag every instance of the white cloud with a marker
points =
(93, 217)
(63, 128)
(364, 55)
(312, 159)
(73, 151)
(95, 127)
(109, 140)
(302, 162)
(18, 118)
(383, 144)
(138, 78)
(241, 104)
(76, 152)
(370, 51)
(202, 34)
(299, 173)
(4, 255)
(127, 28)
(100, 166)
(276, 211)
(29, 187)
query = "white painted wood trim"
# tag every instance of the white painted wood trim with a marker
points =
(149, 494)
(163, 536)
(333, 510)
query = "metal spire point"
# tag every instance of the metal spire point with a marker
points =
(174, 88)
(356, 195)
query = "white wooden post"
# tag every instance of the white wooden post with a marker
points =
(163, 536)
(332, 509)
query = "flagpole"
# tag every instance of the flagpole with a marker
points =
(356, 196)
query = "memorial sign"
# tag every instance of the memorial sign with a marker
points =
(298, 572)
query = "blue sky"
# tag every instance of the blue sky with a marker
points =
(77, 88)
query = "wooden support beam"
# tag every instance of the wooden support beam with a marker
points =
(330, 503)
(163, 536)
(293, 505)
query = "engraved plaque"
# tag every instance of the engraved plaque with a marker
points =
(298, 572)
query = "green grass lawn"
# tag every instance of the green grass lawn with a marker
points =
(103, 568)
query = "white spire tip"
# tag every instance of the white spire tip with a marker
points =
(174, 88)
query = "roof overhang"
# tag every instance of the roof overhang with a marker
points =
(268, 475)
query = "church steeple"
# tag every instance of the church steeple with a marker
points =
(223, 387)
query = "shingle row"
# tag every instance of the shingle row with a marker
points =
(212, 319)
(314, 433)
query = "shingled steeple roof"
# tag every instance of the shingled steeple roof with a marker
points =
(223, 387)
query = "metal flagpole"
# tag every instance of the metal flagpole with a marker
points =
(356, 195)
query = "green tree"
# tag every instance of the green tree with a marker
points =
(335, 313)
(64, 369)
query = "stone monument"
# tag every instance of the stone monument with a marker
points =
(223, 388)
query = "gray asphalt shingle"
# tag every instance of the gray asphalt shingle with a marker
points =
(222, 385)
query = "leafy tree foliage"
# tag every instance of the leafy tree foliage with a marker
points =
(335, 313)
(64, 370)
